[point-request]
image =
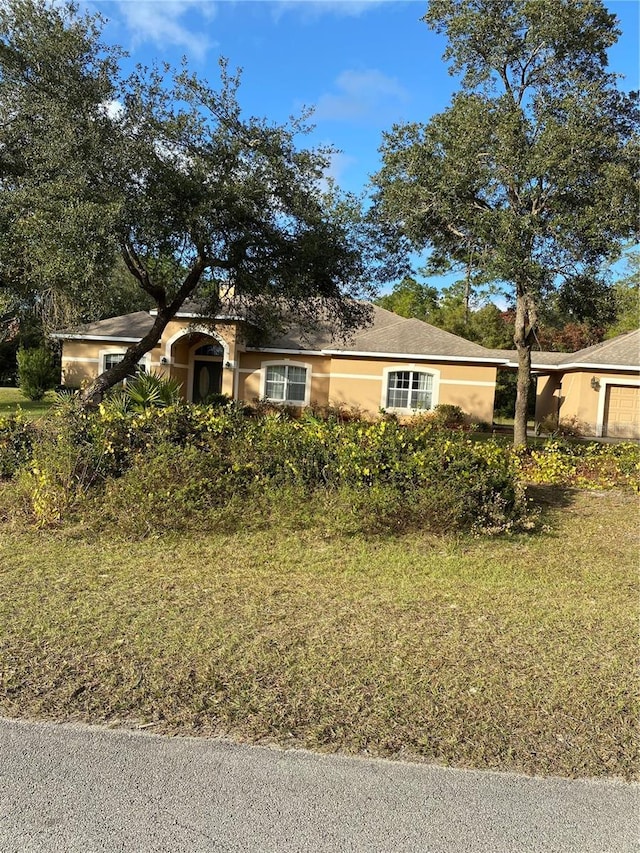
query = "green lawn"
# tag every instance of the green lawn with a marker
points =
(12, 398)
(516, 653)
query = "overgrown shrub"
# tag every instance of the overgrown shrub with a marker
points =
(338, 412)
(548, 425)
(217, 400)
(62, 471)
(16, 440)
(196, 467)
(566, 427)
(380, 476)
(37, 372)
(449, 416)
(583, 465)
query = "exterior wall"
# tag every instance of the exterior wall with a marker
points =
(580, 401)
(83, 361)
(547, 396)
(350, 381)
(360, 383)
(470, 386)
(80, 363)
(249, 385)
(357, 382)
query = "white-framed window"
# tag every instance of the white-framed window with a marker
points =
(110, 358)
(285, 382)
(409, 390)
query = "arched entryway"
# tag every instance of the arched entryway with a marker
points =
(206, 370)
(202, 361)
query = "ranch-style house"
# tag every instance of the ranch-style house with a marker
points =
(397, 364)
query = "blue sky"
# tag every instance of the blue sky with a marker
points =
(363, 64)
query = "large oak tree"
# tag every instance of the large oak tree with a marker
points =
(530, 175)
(165, 171)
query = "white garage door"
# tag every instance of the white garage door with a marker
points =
(622, 411)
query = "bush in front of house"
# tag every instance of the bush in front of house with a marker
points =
(186, 466)
(584, 465)
(17, 435)
(184, 489)
(37, 372)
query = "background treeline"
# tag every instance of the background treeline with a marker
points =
(27, 319)
(579, 314)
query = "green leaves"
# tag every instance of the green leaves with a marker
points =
(529, 177)
(37, 372)
(55, 78)
(164, 170)
(524, 43)
(151, 390)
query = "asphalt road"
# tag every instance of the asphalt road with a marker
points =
(78, 788)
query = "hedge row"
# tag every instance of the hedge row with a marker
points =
(186, 465)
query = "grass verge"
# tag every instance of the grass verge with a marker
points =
(12, 399)
(514, 654)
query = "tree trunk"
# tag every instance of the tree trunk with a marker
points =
(467, 292)
(93, 394)
(522, 396)
(523, 337)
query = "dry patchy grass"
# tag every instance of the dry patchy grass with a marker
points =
(517, 653)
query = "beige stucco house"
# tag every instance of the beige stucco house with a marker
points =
(597, 389)
(397, 364)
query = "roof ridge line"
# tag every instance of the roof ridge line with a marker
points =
(397, 322)
(604, 344)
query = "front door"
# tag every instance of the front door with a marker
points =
(207, 379)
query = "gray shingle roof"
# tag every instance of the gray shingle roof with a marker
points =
(393, 335)
(414, 336)
(539, 358)
(623, 350)
(126, 327)
(390, 334)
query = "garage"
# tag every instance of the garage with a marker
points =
(622, 411)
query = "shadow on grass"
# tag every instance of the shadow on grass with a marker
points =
(551, 497)
(548, 501)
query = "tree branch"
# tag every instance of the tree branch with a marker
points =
(188, 285)
(137, 269)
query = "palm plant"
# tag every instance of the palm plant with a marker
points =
(145, 391)
(152, 390)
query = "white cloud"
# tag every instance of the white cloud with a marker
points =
(114, 109)
(160, 22)
(359, 95)
(315, 8)
(339, 164)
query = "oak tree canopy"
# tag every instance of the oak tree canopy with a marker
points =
(529, 177)
(164, 171)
